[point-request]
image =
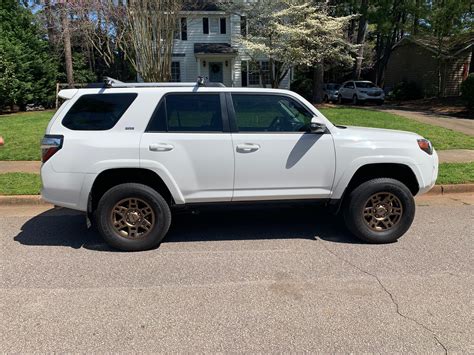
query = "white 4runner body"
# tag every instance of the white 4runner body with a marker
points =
(197, 144)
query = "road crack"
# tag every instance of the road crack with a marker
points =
(392, 298)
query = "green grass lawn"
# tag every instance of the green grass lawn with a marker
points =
(20, 184)
(22, 133)
(29, 184)
(455, 173)
(441, 138)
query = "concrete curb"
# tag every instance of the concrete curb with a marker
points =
(28, 200)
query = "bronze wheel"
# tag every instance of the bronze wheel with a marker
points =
(382, 211)
(132, 218)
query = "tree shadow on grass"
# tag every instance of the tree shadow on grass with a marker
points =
(62, 227)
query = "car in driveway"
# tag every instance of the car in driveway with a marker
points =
(128, 155)
(331, 92)
(359, 92)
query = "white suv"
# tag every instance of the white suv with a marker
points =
(360, 92)
(127, 154)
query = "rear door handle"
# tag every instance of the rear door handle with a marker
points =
(247, 147)
(161, 147)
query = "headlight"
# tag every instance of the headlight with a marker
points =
(426, 146)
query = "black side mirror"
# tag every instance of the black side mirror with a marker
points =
(317, 127)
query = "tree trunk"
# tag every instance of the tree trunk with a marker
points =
(67, 46)
(361, 34)
(49, 22)
(318, 80)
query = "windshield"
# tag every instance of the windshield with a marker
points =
(365, 85)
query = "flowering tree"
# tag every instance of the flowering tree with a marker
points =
(294, 32)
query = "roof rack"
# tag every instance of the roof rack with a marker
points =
(114, 83)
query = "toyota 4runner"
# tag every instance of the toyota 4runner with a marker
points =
(128, 154)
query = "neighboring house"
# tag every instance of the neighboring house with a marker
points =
(416, 60)
(207, 43)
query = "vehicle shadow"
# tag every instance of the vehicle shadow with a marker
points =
(62, 227)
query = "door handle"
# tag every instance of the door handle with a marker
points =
(247, 148)
(161, 147)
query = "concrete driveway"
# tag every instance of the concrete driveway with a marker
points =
(248, 280)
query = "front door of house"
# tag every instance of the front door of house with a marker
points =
(216, 74)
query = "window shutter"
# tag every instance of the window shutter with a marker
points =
(243, 26)
(184, 29)
(223, 26)
(205, 25)
(244, 73)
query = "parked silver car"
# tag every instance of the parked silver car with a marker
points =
(331, 91)
(360, 92)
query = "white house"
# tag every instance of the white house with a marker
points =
(207, 44)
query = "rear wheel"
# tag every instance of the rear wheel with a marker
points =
(379, 210)
(133, 217)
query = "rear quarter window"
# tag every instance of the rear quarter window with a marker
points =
(97, 112)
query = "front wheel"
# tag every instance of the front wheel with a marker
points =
(380, 210)
(339, 100)
(133, 217)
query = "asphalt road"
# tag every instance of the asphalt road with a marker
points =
(241, 280)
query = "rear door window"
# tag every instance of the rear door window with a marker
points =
(97, 112)
(188, 113)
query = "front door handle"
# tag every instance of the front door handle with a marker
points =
(161, 147)
(247, 148)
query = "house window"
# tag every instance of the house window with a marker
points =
(243, 26)
(254, 73)
(214, 25)
(175, 72)
(181, 31)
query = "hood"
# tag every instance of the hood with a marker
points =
(378, 133)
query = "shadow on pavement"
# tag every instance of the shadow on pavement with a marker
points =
(62, 227)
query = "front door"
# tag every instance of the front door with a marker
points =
(216, 74)
(275, 156)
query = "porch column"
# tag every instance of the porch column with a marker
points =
(199, 67)
(232, 72)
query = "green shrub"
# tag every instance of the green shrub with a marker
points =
(467, 90)
(406, 90)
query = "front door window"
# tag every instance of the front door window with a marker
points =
(216, 72)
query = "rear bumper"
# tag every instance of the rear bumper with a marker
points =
(61, 189)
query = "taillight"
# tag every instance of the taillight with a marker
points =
(425, 145)
(50, 144)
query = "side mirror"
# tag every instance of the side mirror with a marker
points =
(316, 127)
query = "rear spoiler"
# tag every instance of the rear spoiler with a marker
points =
(67, 94)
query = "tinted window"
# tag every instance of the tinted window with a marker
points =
(97, 112)
(187, 113)
(349, 85)
(270, 113)
(365, 85)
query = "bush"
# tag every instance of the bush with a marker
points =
(467, 91)
(406, 91)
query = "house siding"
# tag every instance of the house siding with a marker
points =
(412, 62)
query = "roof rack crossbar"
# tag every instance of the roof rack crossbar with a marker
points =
(114, 83)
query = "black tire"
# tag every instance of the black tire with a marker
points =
(161, 217)
(355, 100)
(357, 201)
(340, 100)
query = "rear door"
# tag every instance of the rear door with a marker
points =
(188, 140)
(275, 156)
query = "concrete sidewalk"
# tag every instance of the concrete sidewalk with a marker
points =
(462, 125)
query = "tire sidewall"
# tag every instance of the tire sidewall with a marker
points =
(147, 194)
(358, 198)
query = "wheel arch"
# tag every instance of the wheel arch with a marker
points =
(112, 177)
(398, 171)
